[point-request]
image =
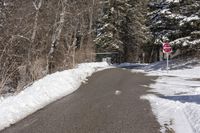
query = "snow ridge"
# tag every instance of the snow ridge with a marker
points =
(177, 105)
(43, 92)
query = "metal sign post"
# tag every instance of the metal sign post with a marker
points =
(167, 62)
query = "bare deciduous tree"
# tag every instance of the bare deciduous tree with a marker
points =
(39, 37)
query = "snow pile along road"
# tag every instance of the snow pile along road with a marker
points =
(176, 97)
(43, 92)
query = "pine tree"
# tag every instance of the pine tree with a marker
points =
(138, 34)
(108, 29)
(179, 21)
(122, 28)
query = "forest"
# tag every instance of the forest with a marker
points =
(40, 37)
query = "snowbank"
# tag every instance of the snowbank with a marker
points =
(43, 92)
(177, 106)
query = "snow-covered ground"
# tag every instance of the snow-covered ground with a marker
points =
(175, 95)
(44, 91)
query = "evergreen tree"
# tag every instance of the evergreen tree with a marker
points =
(138, 34)
(122, 28)
(108, 28)
(179, 21)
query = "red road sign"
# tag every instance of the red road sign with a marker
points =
(167, 48)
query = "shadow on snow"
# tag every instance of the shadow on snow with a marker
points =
(184, 98)
(131, 66)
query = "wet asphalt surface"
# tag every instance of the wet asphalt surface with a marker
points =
(109, 102)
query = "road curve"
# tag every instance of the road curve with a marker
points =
(109, 102)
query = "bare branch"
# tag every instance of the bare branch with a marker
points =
(19, 36)
(37, 7)
(34, 4)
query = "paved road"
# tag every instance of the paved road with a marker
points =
(109, 103)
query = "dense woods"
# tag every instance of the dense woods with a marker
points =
(177, 20)
(122, 29)
(39, 37)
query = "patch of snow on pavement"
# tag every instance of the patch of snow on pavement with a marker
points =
(118, 92)
(176, 96)
(45, 91)
(169, 114)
